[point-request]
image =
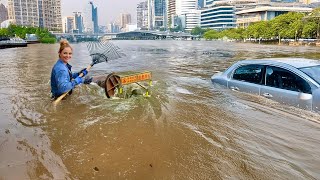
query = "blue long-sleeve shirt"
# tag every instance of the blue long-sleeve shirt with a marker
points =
(61, 78)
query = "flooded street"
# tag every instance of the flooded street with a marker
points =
(187, 129)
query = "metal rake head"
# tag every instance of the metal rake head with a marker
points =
(103, 51)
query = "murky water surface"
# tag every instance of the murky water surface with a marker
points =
(187, 129)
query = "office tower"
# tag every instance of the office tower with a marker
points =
(142, 15)
(218, 17)
(3, 13)
(90, 19)
(68, 24)
(171, 12)
(36, 13)
(125, 19)
(157, 14)
(78, 22)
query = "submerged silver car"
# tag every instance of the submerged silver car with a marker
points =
(292, 81)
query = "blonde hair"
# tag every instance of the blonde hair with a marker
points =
(64, 44)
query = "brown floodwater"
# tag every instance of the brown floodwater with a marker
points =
(187, 129)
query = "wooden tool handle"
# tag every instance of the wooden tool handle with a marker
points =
(55, 102)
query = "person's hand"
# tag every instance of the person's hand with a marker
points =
(78, 80)
(84, 72)
(87, 80)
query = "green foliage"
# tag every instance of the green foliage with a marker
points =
(212, 34)
(290, 25)
(48, 40)
(13, 30)
(198, 31)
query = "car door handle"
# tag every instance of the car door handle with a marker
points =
(234, 88)
(267, 95)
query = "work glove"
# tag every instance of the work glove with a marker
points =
(87, 80)
(84, 71)
(78, 80)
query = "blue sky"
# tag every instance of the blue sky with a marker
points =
(108, 10)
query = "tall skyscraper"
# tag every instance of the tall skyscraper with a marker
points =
(142, 15)
(3, 13)
(36, 13)
(171, 12)
(125, 19)
(78, 22)
(157, 14)
(90, 19)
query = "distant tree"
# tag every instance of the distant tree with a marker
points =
(198, 31)
(281, 25)
(314, 17)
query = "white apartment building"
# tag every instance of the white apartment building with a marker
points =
(142, 15)
(24, 12)
(36, 13)
(171, 12)
(187, 13)
(184, 6)
(192, 19)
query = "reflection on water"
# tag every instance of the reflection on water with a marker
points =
(188, 128)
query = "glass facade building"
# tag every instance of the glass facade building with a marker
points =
(218, 17)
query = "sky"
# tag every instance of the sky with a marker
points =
(108, 10)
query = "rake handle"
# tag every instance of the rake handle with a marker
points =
(55, 102)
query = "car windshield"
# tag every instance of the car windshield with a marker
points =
(313, 72)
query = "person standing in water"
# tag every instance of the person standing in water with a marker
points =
(62, 78)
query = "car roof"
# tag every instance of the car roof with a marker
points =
(295, 62)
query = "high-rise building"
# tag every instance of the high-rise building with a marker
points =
(68, 24)
(36, 13)
(142, 15)
(25, 13)
(78, 22)
(3, 13)
(52, 15)
(171, 12)
(90, 19)
(192, 19)
(218, 17)
(157, 14)
(125, 19)
(184, 6)
(113, 28)
(186, 12)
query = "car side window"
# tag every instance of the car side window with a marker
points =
(284, 79)
(249, 73)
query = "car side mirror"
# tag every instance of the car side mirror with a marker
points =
(304, 96)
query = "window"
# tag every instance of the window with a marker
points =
(313, 72)
(249, 73)
(284, 79)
